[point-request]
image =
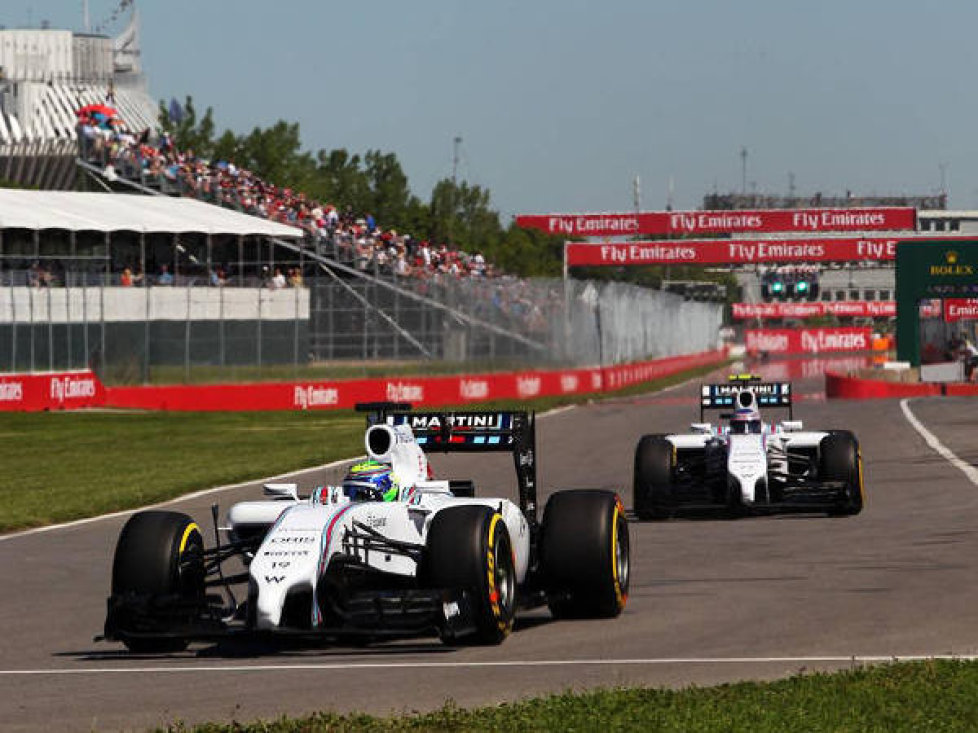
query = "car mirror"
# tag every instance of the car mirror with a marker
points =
(701, 427)
(792, 426)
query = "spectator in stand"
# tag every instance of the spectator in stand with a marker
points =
(125, 279)
(359, 240)
(278, 280)
(165, 277)
(295, 277)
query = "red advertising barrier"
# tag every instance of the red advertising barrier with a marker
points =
(860, 388)
(853, 308)
(421, 391)
(739, 251)
(50, 391)
(680, 223)
(807, 340)
(960, 309)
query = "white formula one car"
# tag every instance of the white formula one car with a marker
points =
(747, 465)
(417, 557)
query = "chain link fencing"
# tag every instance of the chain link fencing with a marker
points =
(337, 326)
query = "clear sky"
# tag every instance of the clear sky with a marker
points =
(561, 103)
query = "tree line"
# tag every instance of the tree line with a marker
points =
(456, 212)
(459, 213)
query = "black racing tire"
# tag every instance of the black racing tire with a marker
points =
(840, 459)
(469, 548)
(158, 554)
(655, 459)
(584, 554)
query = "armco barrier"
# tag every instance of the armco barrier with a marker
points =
(421, 391)
(50, 391)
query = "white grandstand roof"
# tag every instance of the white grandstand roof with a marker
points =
(110, 212)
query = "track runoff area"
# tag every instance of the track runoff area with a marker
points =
(711, 600)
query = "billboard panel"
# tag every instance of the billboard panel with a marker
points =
(698, 223)
(807, 340)
(738, 251)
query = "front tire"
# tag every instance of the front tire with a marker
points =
(584, 553)
(655, 459)
(840, 459)
(158, 558)
(469, 547)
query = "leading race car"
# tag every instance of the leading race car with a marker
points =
(748, 465)
(389, 553)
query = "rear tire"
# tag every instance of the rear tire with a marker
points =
(839, 459)
(158, 554)
(584, 554)
(469, 547)
(655, 459)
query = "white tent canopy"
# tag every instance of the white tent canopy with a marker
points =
(111, 212)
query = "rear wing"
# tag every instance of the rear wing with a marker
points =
(768, 394)
(476, 431)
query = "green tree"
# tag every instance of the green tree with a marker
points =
(189, 133)
(340, 180)
(461, 214)
(275, 154)
(389, 191)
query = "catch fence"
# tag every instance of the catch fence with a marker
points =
(334, 324)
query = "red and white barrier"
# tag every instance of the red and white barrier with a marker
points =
(845, 308)
(807, 340)
(420, 391)
(50, 391)
(687, 223)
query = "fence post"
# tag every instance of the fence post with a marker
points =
(259, 327)
(13, 324)
(30, 306)
(295, 335)
(68, 324)
(85, 318)
(50, 332)
(186, 339)
(146, 330)
(220, 324)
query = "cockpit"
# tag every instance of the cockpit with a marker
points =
(746, 427)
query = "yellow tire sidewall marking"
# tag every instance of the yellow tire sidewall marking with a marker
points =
(615, 518)
(190, 529)
(497, 613)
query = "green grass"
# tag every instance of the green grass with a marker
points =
(920, 696)
(63, 466)
(69, 465)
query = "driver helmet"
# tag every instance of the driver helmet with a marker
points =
(370, 481)
(745, 420)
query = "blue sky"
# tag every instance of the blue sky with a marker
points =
(560, 104)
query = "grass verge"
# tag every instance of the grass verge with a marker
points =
(69, 465)
(920, 696)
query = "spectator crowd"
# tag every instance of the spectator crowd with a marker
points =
(357, 238)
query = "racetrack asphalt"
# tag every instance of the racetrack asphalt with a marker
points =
(711, 600)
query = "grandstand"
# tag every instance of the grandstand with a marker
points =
(46, 75)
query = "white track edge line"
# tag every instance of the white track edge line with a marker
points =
(967, 469)
(333, 666)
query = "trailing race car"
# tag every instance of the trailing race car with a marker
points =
(747, 465)
(389, 553)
